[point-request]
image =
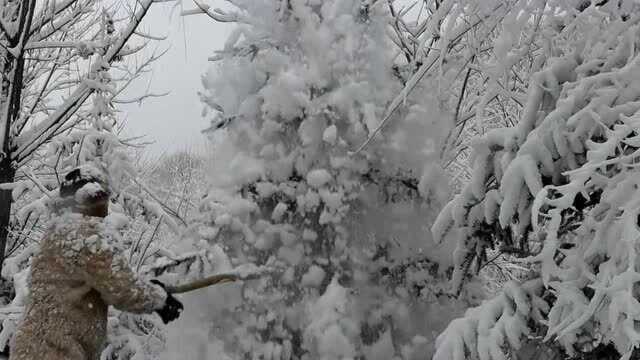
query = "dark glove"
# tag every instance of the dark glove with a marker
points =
(172, 306)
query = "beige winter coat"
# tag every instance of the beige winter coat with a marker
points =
(74, 278)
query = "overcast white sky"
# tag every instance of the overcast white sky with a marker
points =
(173, 122)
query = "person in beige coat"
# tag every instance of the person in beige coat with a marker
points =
(76, 275)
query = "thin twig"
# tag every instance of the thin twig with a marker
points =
(37, 183)
(144, 251)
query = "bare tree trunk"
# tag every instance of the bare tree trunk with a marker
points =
(10, 101)
(7, 174)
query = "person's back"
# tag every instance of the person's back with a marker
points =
(74, 278)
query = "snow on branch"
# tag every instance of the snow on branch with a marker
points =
(485, 331)
(563, 185)
(29, 142)
(149, 36)
(59, 44)
(140, 98)
(49, 13)
(217, 14)
(427, 64)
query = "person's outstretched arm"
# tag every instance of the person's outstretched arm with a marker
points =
(106, 270)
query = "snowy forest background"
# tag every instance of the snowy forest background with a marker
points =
(446, 179)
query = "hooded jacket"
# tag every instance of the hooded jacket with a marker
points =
(74, 278)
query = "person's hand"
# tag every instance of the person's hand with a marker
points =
(172, 306)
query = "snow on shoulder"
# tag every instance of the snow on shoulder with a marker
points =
(87, 192)
(78, 232)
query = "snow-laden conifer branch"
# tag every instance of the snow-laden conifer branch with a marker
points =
(490, 330)
(562, 185)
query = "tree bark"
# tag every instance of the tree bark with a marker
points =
(7, 175)
(10, 101)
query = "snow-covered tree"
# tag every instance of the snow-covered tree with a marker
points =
(64, 68)
(538, 96)
(135, 219)
(54, 57)
(327, 166)
(557, 190)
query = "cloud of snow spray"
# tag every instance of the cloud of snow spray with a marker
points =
(191, 336)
